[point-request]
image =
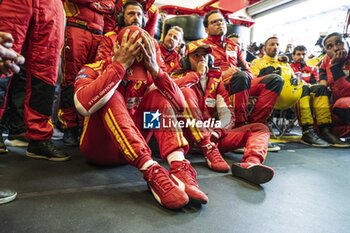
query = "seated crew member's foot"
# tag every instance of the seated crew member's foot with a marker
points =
(184, 175)
(3, 148)
(330, 138)
(57, 134)
(311, 138)
(7, 195)
(17, 140)
(273, 147)
(214, 159)
(45, 150)
(71, 137)
(239, 150)
(252, 171)
(164, 190)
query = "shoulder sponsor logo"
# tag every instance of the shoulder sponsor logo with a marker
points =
(80, 76)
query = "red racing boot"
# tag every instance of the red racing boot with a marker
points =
(252, 171)
(184, 175)
(163, 188)
(214, 159)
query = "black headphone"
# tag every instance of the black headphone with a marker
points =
(120, 17)
(186, 65)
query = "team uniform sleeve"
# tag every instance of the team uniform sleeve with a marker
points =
(224, 109)
(337, 71)
(94, 86)
(243, 64)
(105, 48)
(152, 13)
(187, 79)
(170, 90)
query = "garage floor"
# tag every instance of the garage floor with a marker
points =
(309, 193)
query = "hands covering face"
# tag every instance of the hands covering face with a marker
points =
(126, 52)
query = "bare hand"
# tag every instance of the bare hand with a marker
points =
(230, 71)
(126, 52)
(9, 59)
(6, 39)
(202, 68)
(149, 55)
(339, 57)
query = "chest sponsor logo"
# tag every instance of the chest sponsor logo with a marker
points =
(210, 102)
(133, 102)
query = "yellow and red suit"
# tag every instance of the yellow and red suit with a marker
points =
(84, 29)
(114, 108)
(295, 92)
(40, 25)
(338, 79)
(213, 102)
(171, 59)
(242, 84)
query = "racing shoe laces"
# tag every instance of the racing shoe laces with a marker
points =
(163, 189)
(184, 175)
(214, 159)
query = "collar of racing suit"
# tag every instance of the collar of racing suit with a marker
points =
(217, 39)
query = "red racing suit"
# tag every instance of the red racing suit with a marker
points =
(338, 79)
(39, 25)
(227, 54)
(212, 102)
(171, 59)
(83, 33)
(309, 74)
(115, 108)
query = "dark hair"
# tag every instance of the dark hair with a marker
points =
(120, 17)
(270, 38)
(206, 16)
(132, 3)
(330, 35)
(233, 35)
(299, 48)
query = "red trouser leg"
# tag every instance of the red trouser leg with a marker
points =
(8, 18)
(238, 89)
(267, 90)
(110, 136)
(341, 117)
(193, 111)
(169, 139)
(76, 53)
(341, 88)
(254, 137)
(45, 41)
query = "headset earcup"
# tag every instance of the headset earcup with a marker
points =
(143, 21)
(185, 63)
(120, 19)
(210, 60)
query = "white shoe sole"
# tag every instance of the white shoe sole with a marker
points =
(16, 143)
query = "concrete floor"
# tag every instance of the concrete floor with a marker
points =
(309, 193)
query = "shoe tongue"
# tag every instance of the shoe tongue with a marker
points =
(253, 160)
(176, 163)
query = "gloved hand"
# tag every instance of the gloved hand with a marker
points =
(269, 70)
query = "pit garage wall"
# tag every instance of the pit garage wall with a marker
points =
(297, 22)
